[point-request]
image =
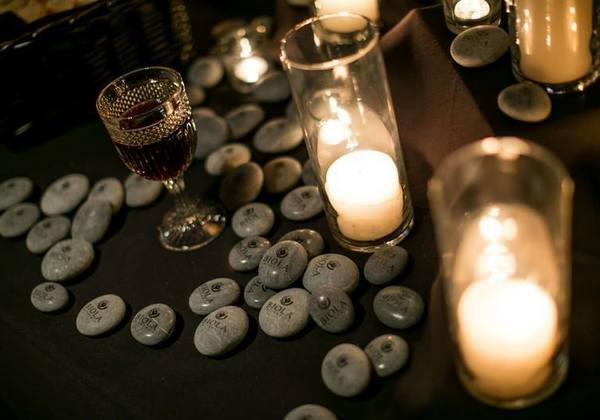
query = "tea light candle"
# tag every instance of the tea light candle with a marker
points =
(250, 69)
(469, 10)
(366, 8)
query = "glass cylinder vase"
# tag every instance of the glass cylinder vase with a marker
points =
(502, 214)
(338, 80)
(465, 14)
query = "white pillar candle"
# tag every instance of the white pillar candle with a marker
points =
(250, 69)
(366, 8)
(466, 10)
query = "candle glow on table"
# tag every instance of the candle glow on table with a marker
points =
(366, 8)
(471, 9)
(250, 69)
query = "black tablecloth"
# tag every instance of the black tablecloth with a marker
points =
(48, 370)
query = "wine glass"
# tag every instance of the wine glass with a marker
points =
(148, 117)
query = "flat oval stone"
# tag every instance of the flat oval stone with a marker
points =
(211, 132)
(282, 264)
(247, 253)
(18, 219)
(140, 192)
(111, 190)
(385, 264)
(100, 315)
(282, 174)
(273, 87)
(526, 102)
(67, 259)
(49, 297)
(253, 219)
(311, 240)
(346, 370)
(241, 186)
(479, 46)
(256, 293)
(302, 203)
(398, 307)
(243, 119)
(14, 190)
(205, 72)
(310, 412)
(388, 354)
(278, 135)
(196, 94)
(333, 269)
(64, 194)
(153, 324)
(214, 294)
(221, 331)
(331, 309)
(308, 175)
(226, 158)
(46, 233)
(285, 314)
(92, 220)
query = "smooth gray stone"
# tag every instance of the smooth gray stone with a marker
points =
(226, 158)
(14, 190)
(285, 314)
(241, 186)
(388, 354)
(282, 264)
(254, 219)
(256, 293)
(291, 111)
(385, 264)
(67, 259)
(46, 233)
(278, 135)
(92, 220)
(243, 119)
(140, 192)
(310, 412)
(214, 294)
(205, 72)
(247, 253)
(308, 175)
(100, 315)
(398, 307)
(479, 46)
(526, 102)
(311, 240)
(211, 132)
(302, 203)
(331, 309)
(273, 87)
(64, 194)
(225, 27)
(18, 219)
(346, 370)
(49, 297)
(282, 174)
(196, 94)
(333, 269)
(153, 324)
(111, 190)
(221, 331)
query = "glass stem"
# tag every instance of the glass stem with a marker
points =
(176, 187)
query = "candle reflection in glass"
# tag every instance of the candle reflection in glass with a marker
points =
(243, 60)
(465, 14)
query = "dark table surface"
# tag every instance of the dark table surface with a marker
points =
(48, 370)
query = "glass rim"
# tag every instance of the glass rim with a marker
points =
(328, 65)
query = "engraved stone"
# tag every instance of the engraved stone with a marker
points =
(308, 175)
(388, 354)
(64, 194)
(140, 192)
(310, 412)
(302, 203)
(282, 264)
(214, 294)
(111, 190)
(253, 219)
(285, 313)
(274, 87)
(479, 46)
(153, 324)
(525, 101)
(278, 135)
(385, 264)
(49, 297)
(211, 132)
(100, 315)
(241, 186)
(14, 190)
(331, 309)
(18, 219)
(346, 370)
(398, 307)
(256, 293)
(205, 72)
(243, 119)
(46, 233)
(282, 174)
(196, 94)
(333, 269)
(247, 253)
(67, 259)
(227, 158)
(311, 240)
(221, 331)
(92, 220)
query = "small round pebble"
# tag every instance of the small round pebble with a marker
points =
(64, 194)
(226, 158)
(346, 370)
(388, 354)
(196, 94)
(310, 412)
(67, 259)
(273, 87)
(153, 324)
(311, 240)
(14, 190)
(302, 203)
(46, 233)
(111, 190)
(100, 315)
(49, 297)
(253, 219)
(308, 175)
(211, 132)
(282, 264)
(243, 119)
(18, 219)
(285, 314)
(256, 293)
(398, 307)
(526, 102)
(331, 309)
(205, 72)
(214, 294)
(247, 253)
(282, 174)
(479, 46)
(278, 135)
(333, 269)
(140, 192)
(241, 186)
(385, 264)
(221, 331)
(92, 220)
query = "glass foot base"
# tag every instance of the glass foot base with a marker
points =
(191, 227)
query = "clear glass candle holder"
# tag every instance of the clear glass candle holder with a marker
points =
(502, 214)
(338, 80)
(555, 43)
(465, 14)
(371, 9)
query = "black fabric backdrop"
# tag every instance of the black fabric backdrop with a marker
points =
(48, 370)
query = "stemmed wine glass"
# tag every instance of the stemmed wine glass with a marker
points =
(148, 117)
